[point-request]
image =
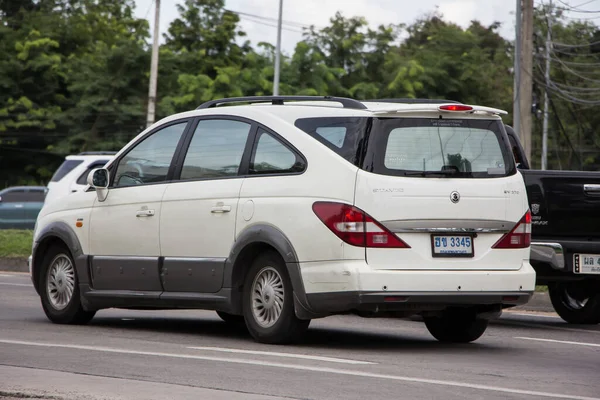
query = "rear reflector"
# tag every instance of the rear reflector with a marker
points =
(355, 227)
(394, 299)
(519, 237)
(455, 107)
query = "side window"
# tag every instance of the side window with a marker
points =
(149, 160)
(14, 196)
(333, 134)
(35, 196)
(216, 149)
(270, 156)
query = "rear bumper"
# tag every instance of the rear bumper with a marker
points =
(548, 253)
(334, 287)
(336, 302)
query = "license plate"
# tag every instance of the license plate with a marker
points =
(586, 263)
(452, 246)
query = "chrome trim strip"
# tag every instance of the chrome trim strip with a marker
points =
(449, 226)
(550, 253)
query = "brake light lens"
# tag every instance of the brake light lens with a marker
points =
(356, 227)
(519, 237)
(455, 107)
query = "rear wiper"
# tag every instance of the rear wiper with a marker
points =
(447, 172)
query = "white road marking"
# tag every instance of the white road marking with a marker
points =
(276, 354)
(6, 276)
(559, 341)
(15, 284)
(532, 315)
(552, 327)
(361, 374)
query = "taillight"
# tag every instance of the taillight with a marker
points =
(455, 107)
(519, 237)
(355, 227)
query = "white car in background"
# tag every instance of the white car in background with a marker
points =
(71, 176)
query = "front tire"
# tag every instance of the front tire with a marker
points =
(576, 303)
(456, 326)
(59, 288)
(268, 302)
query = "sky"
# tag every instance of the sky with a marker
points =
(261, 24)
(318, 12)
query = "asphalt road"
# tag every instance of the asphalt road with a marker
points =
(147, 355)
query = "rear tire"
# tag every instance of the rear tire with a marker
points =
(456, 326)
(59, 288)
(576, 304)
(268, 302)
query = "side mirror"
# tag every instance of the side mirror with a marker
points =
(98, 179)
(0, 199)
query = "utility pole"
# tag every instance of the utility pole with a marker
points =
(526, 78)
(517, 69)
(547, 83)
(153, 68)
(278, 51)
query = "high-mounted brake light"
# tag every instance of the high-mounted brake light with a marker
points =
(519, 237)
(455, 107)
(355, 227)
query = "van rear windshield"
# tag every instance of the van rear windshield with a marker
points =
(426, 147)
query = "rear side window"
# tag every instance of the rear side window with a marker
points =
(66, 167)
(343, 135)
(457, 147)
(273, 157)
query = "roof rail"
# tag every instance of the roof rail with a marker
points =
(97, 153)
(413, 101)
(278, 100)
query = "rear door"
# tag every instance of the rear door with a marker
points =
(446, 187)
(197, 223)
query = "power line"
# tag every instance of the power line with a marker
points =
(571, 8)
(260, 22)
(573, 46)
(275, 20)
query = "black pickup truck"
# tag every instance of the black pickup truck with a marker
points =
(565, 248)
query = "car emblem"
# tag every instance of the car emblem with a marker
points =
(455, 197)
(535, 208)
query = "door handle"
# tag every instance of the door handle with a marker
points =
(144, 213)
(220, 209)
(592, 189)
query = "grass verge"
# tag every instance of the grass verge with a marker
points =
(15, 243)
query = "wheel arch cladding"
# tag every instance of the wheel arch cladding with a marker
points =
(251, 242)
(62, 234)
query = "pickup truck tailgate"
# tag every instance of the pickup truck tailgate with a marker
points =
(564, 202)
